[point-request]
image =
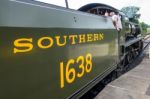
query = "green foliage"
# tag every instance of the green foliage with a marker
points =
(148, 30)
(131, 13)
(145, 27)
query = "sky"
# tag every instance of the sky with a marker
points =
(143, 4)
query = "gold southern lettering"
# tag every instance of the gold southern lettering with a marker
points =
(40, 44)
(23, 45)
(89, 37)
(82, 38)
(62, 43)
(26, 44)
(72, 38)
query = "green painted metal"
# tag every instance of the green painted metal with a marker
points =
(35, 74)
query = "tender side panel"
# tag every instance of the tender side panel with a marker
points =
(46, 53)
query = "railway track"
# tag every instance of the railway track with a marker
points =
(99, 87)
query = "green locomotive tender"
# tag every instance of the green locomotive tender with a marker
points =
(50, 52)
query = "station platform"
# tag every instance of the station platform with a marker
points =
(135, 84)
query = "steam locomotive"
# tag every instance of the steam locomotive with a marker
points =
(50, 52)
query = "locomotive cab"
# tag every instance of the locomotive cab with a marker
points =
(98, 9)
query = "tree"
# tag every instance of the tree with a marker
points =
(144, 26)
(132, 13)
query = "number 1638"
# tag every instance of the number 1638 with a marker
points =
(68, 72)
